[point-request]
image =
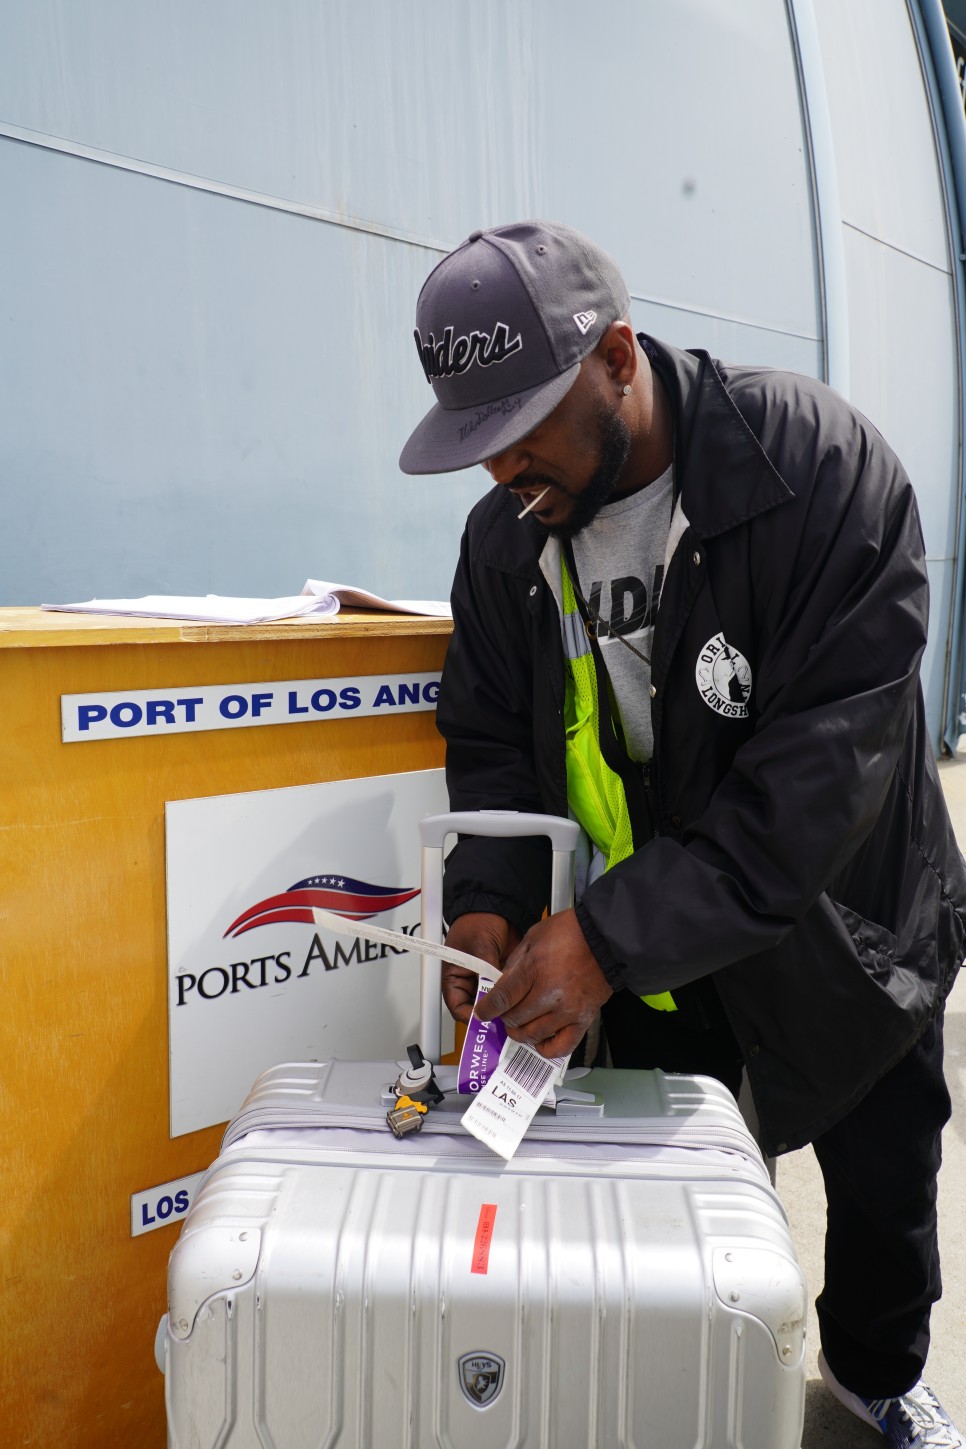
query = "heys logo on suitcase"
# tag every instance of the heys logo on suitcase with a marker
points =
(481, 1377)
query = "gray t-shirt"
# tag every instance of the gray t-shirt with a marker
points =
(620, 566)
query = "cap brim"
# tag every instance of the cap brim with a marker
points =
(448, 438)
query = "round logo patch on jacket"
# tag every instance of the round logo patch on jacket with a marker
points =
(723, 677)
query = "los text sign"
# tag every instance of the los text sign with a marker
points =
(180, 709)
(157, 1206)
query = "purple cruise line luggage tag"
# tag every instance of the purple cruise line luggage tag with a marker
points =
(481, 1048)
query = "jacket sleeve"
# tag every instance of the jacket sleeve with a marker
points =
(837, 679)
(485, 714)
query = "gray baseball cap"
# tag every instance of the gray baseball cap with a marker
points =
(502, 324)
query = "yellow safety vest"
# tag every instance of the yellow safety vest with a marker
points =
(595, 793)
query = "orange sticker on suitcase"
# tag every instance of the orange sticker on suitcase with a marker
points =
(483, 1239)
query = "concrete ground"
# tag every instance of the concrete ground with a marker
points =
(827, 1424)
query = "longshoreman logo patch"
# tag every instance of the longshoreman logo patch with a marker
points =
(723, 677)
(481, 1377)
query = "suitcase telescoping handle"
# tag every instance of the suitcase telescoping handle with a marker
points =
(502, 824)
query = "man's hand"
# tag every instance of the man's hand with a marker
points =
(479, 934)
(551, 988)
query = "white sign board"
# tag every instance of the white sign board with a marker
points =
(155, 1207)
(183, 709)
(251, 982)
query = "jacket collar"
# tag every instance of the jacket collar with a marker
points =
(508, 544)
(724, 475)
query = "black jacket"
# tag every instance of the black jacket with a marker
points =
(805, 855)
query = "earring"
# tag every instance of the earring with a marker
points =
(626, 389)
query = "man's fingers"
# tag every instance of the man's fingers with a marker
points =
(490, 1008)
(562, 1043)
(545, 1032)
(459, 992)
(507, 994)
(459, 1008)
(485, 935)
(533, 1016)
(517, 955)
(458, 976)
(539, 1002)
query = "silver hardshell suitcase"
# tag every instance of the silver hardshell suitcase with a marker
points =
(627, 1279)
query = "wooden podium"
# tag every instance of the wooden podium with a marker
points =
(82, 905)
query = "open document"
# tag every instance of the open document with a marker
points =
(317, 600)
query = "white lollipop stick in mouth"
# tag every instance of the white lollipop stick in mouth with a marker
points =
(533, 502)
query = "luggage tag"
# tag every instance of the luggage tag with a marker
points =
(482, 1046)
(501, 1112)
(484, 1039)
(482, 1051)
(509, 1097)
(366, 931)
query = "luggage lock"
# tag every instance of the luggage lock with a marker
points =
(417, 1081)
(406, 1116)
(416, 1091)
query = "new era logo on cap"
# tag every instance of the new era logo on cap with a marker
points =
(585, 320)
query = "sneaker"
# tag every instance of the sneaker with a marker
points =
(916, 1420)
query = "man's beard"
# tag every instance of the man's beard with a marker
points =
(615, 446)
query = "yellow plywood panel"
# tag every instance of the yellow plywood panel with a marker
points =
(82, 916)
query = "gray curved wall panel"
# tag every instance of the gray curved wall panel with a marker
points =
(218, 218)
(904, 344)
(210, 392)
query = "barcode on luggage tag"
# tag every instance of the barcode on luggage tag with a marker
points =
(529, 1071)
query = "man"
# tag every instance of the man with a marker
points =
(692, 611)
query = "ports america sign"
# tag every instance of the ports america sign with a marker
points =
(251, 980)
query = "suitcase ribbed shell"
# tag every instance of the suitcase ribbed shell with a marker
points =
(326, 1295)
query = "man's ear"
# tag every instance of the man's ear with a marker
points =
(618, 352)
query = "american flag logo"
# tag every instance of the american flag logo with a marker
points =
(355, 899)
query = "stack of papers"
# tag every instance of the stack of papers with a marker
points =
(317, 599)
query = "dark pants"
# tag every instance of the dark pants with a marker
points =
(879, 1164)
